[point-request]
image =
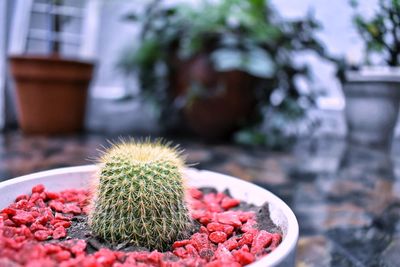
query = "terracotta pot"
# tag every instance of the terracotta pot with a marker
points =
(228, 98)
(51, 93)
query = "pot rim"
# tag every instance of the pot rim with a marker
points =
(374, 74)
(50, 58)
(289, 241)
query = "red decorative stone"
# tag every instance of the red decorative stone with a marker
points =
(206, 218)
(59, 232)
(261, 241)
(60, 216)
(210, 198)
(214, 226)
(231, 243)
(40, 203)
(243, 257)
(197, 214)
(245, 216)
(155, 257)
(52, 195)
(35, 213)
(24, 204)
(248, 226)
(230, 218)
(30, 220)
(197, 204)
(180, 252)
(34, 197)
(71, 208)
(21, 197)
(246, 239)
(38, 188)
(63, 255)
(51, 248)
(276, 240)
(214, 207)
(105, 257)
(228, 229)
(23, 217)
(219, 263)
(181, 243)
(228, 203)
(245, 248)
(63, 224)
(203, 230)
(78, 247)
(218, 237)
(37, 226)
(223, 254)
(42, 235)
(200, 241)
(56, 205)
(195, 193)
(191, 251)
(8, 231)
(9, 211)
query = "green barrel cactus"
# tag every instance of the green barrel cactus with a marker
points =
(139, 196)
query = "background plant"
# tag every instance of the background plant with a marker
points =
(381, 32)
(238, 35)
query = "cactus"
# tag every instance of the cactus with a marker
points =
(139, 196)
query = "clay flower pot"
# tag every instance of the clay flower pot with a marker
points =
(79, 177)
(51, 93)
(228, 99)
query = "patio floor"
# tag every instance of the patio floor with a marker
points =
(346, 198)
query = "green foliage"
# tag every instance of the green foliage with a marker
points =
(284, 124)
(381, 32)
(237, 35)
(140, 196)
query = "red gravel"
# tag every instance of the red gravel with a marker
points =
(226, 238)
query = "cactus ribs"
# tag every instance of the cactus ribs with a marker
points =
(140, 196)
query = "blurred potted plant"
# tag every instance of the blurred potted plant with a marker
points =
(51, 90)
(373, 90)
(215, 65)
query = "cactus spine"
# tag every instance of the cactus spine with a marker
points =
(140, 196)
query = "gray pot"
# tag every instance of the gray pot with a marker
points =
(372, 105)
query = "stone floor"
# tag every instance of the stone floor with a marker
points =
(346, 198)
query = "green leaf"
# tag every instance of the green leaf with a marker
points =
(250, 137)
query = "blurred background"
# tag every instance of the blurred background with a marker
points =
(299, 97)
(296, 41)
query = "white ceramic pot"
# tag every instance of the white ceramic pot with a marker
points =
(372, 105)
(78, 177)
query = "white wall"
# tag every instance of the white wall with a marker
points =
(115, 34)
